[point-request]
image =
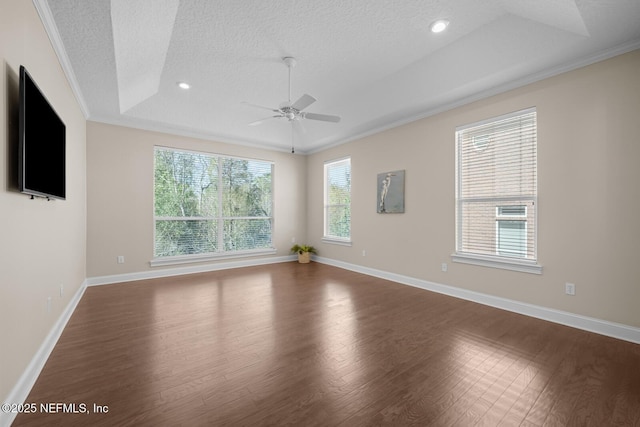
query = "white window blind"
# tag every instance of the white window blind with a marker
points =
(210, 204)
(496, 188)
(337, 200)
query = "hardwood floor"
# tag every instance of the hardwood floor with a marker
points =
(314, 345)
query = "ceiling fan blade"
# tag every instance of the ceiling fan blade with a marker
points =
(304, 101)
(260, 106)
(321, 117)
(258, 122)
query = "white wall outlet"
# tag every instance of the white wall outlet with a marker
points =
(364, 252)
(293, 240)
(569, 288)
(48, 304)
(444, 266)
(61, 290)
(120, 259)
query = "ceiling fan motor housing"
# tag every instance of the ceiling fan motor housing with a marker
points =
(290, 61)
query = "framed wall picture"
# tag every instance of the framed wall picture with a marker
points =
(391, 192)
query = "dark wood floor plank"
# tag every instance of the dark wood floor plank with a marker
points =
(315, 345)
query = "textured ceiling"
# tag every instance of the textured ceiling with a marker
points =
(374, 63)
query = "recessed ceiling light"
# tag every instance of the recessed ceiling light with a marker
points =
(439, 26)
(184, 85)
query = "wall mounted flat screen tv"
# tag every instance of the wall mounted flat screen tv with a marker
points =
(41, 151)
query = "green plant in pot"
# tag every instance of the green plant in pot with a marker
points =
(304, 252)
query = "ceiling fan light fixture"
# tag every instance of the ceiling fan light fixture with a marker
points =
(439, 26)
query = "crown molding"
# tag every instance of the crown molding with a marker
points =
(42, 7)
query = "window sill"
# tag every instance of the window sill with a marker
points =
(494, 262)
(334, 241)
(190, 259)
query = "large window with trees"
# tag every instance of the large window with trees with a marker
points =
(207, 204)
(337, 201)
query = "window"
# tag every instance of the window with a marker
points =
(211, 204)
(511, 211)
(496, 192)
(337, 201)
(511, 231)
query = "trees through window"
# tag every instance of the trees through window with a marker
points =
(208, 204)
(337, 200)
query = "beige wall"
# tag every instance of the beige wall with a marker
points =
(120, 195)
(588, 150)
(42, 243)
(589, 195)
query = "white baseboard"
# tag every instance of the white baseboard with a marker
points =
(25, 383)
(602, 327)
(178, 271)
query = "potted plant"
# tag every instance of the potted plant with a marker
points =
(304, 252)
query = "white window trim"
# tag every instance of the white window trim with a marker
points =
(337, 241)
(211, 256)
(514, 264)
(334, 240)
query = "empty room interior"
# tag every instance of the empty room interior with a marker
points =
(464, 176)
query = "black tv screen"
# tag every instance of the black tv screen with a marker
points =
(41, 151)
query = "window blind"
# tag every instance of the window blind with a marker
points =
(337, 223)
(496, 187)
(207, 204)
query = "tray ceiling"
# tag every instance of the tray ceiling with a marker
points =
(376, 64)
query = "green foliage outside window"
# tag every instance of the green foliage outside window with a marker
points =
(209, 204)
(338, 203)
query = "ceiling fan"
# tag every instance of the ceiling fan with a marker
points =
(293, 112)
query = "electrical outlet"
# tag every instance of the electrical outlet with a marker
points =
(293, 240)
(61, 290)
(48, 304)
(569, 288)
(120, 259)
(364, 252)
(445, 267)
